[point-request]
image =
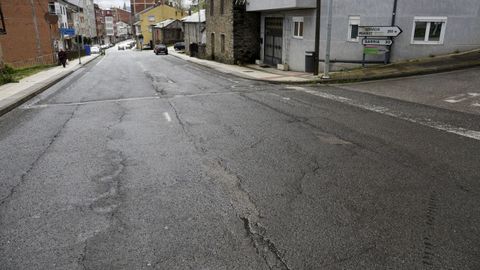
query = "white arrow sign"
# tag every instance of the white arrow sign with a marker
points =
(382, 42)
(379, 31)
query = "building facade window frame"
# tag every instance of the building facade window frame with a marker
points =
(222, 43)
(353, 25)
(425, 30)
(298, 27)
(212, 7)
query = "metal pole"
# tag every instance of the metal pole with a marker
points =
(78, 36)
(316, 54)
(394, 17)
(326, 71)
(79, 54)
(199, 22)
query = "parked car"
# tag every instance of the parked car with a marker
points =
(146, 47)
(122, 47)
(95, 50)
(161, 48)
(179, 46)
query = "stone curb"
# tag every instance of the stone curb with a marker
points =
(18, 99)
(414, 72)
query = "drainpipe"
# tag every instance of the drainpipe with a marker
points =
(35, 25)
(326, 71)
(317, 38)
(394, 18)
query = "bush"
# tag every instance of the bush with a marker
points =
(7, 75)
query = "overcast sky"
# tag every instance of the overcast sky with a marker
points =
(116, 3)
(110, 3)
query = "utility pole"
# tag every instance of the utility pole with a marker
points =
(316, 59)
(394, 18)
(326, 71)
(199, 23)
(78, 35)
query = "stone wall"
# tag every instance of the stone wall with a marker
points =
(241, 31)
(217, 25)
(246, 35)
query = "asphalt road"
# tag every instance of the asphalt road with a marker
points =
(139, 161)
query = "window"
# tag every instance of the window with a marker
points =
(222, 43)
(212, 7)
(151, 18)
(222, 7)
(298, 27)
(428, 30)
(353, 23)
(51, 8)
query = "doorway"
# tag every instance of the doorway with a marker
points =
(273, 41)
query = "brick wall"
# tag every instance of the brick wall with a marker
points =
(122, 15)
(29, 39)
(139, 5)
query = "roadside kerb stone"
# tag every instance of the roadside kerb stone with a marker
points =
(12, 102)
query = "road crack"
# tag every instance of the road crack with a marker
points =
(264, 246)
(108, 203)
(32, 166)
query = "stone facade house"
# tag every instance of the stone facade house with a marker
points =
(232, 33)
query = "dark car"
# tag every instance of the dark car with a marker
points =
(179, 46)
(161, 48)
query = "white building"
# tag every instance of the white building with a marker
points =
(65, 12)
(85, 18)
(109, 29)
(123, 30)
(430, 27)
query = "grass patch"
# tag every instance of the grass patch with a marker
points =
(9, 74)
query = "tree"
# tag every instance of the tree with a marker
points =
(198, 3)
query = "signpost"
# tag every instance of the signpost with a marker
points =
(382, 42)
(379, 31)
(378, 40)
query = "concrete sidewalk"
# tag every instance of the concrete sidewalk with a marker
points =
(396, 70)
(250, 72)
(14, 94)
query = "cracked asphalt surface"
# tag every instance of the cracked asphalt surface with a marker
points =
(139, 161)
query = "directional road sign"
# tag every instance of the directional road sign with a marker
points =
(379, 31)
(382, 42)
(375, 50)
